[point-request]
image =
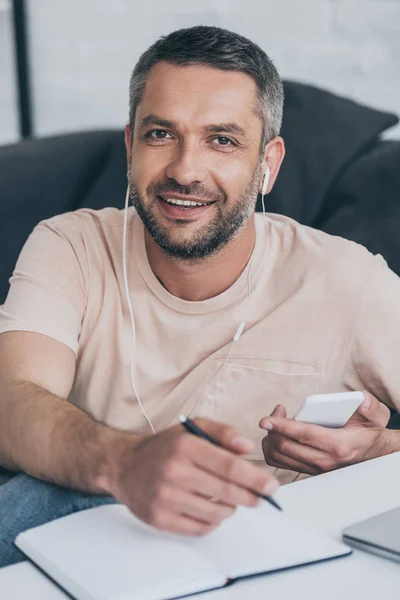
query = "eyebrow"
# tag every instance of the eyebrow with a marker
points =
(234, 128)
(152, 119)
(226, 128)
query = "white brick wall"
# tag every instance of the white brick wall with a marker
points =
(84, 50)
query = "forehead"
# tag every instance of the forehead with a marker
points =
(199, 94)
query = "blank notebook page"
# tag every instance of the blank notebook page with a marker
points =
(107, 554)
(262, 539)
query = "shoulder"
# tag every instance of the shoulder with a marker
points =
(90, 238)
(85, 220)
(87, 227)
(315, 255)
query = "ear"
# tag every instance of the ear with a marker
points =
(128, 144)
(274, 154)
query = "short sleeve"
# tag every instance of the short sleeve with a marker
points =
(47, 292)
(374, 354)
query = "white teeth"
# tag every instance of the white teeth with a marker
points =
(185, 202)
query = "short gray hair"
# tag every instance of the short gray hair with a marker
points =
(219, 49)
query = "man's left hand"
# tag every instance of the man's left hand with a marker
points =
(315, 449)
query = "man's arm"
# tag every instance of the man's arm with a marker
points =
(167, 479)
(41, 433)
(373, 365)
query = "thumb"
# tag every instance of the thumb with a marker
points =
(279, 411)
(371, 412)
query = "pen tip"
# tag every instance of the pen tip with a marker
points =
(182, 418)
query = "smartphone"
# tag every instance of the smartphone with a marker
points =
(329, 410)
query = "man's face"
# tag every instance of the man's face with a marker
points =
(196, 140)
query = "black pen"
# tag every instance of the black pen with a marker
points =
(193, 428)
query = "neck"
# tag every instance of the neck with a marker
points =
(205, 278)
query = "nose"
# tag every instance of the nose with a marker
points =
(186, 166)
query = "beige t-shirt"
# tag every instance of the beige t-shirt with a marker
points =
(322, 316)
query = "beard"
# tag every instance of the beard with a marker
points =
(207, 240)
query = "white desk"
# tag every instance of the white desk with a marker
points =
(327, 503)
(24, 582)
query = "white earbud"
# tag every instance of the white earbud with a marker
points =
(266, 181)
(264, 188)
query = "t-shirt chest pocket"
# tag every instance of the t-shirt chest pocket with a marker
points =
(247, 389)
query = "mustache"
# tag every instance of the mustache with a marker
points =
(171, 186)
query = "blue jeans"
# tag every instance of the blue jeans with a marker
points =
(27, 502)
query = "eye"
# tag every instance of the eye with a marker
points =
(157, 134)
(224, 141)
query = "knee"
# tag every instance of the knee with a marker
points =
(26, 502)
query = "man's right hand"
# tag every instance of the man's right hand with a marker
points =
(178, 482)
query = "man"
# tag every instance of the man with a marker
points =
(316, 313)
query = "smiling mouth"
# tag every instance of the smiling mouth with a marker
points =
(184, 204)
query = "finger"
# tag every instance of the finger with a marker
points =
(305, 433)
(195, 479)
(279, 411)
(274, 458)
(227, 468)
(280, 462)
(167, 520)
(295, 451)
(371, 412)
(207, 485)
(232, 469)
(193, 506)
(227, 436)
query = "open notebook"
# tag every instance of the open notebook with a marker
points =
(106, 553)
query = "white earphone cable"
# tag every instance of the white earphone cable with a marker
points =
(263, 203)
(128, 299)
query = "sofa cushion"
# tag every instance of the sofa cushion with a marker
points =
(364, 205)
(323, 134)
(42, 178)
